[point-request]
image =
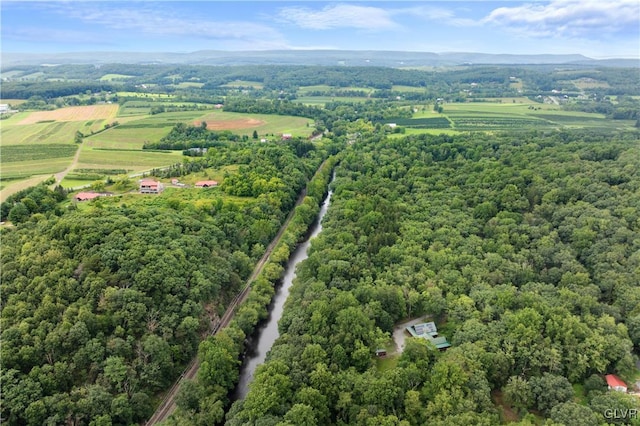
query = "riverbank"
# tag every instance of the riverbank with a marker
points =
(218, 363)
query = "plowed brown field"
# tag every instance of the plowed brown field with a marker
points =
(242, 123)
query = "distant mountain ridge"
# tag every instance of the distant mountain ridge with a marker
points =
(306, 57)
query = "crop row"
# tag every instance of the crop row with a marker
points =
(498, 123)
(422, 123)
(13, 153)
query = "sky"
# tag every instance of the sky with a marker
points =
(595, 28)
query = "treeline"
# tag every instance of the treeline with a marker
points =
(522, 247)
(20, 206)
(184, 136)
(205, 400)
(103, 307)
(52, 89)
(283, 81)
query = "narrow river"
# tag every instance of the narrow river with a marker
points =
(262, 339)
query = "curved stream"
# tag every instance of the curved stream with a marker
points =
(263, 337)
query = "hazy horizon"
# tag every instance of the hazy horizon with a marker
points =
(594, 29)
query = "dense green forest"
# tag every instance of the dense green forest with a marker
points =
(102, 307)
(525, 250)
(523, 247)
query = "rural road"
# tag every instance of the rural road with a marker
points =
(60, 175)
(35, 180)
(168, 403)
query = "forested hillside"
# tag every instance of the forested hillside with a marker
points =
(103, 306)
(525, 250)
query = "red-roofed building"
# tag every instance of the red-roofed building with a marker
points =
(615, 383)
(150, 187)
(86, 196)
(206, 183)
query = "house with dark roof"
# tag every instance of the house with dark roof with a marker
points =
(429, 331)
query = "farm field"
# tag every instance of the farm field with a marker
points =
(401, 88)
(144, 95)
(322, 100)
(117, 147)
(13, 102)
(187, 84)
(45, 132)
(144, 107)
(504, 114)
(79, 113)
(112, 77)
(134, 160)
(245, 124)
(520, 115)
(244, 83)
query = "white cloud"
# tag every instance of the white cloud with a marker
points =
(573, 18)
(154, 20)
(50, 35)
(338, 16)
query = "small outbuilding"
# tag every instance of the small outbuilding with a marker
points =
(206, 184)
(86, 196)
(615, 383)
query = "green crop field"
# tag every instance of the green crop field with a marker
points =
(145, 95)
(437, 122)
(24, 169)
(305, 90)
(44, 132)
(513, 114)
(187, 84)
(136, 160)
(15, 153)
(400, 88)
(111, 77)
(244, 83)
(322, 100)
(245, 124)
